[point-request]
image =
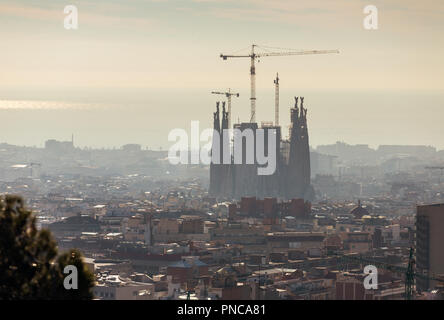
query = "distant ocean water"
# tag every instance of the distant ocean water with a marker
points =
(46, 105)
(94, 124)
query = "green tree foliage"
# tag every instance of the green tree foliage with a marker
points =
(30, 267)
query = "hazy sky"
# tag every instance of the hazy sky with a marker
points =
(148, 67)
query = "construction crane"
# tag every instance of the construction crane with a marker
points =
(409, 277)
(256, 55)
(228, 94)
(410, 274)
(276, 100)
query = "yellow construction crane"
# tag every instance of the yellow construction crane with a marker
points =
(228, 94)
(255, 55)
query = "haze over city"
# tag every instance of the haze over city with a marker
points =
(229, 152)
(146, 67)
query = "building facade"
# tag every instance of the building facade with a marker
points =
(291, 178)
(429, 238)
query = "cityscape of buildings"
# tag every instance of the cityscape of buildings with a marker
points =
(282, 214)
(151, 230)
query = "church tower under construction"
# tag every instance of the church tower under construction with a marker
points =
(291, 177)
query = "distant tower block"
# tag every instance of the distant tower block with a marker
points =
(276, 101)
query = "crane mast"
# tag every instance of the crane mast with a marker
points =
(410, 277)
(410, 273)
(253, 86)
(228, 94)
(253, 56)
(276, 101)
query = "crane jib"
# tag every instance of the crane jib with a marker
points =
(253, 56)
